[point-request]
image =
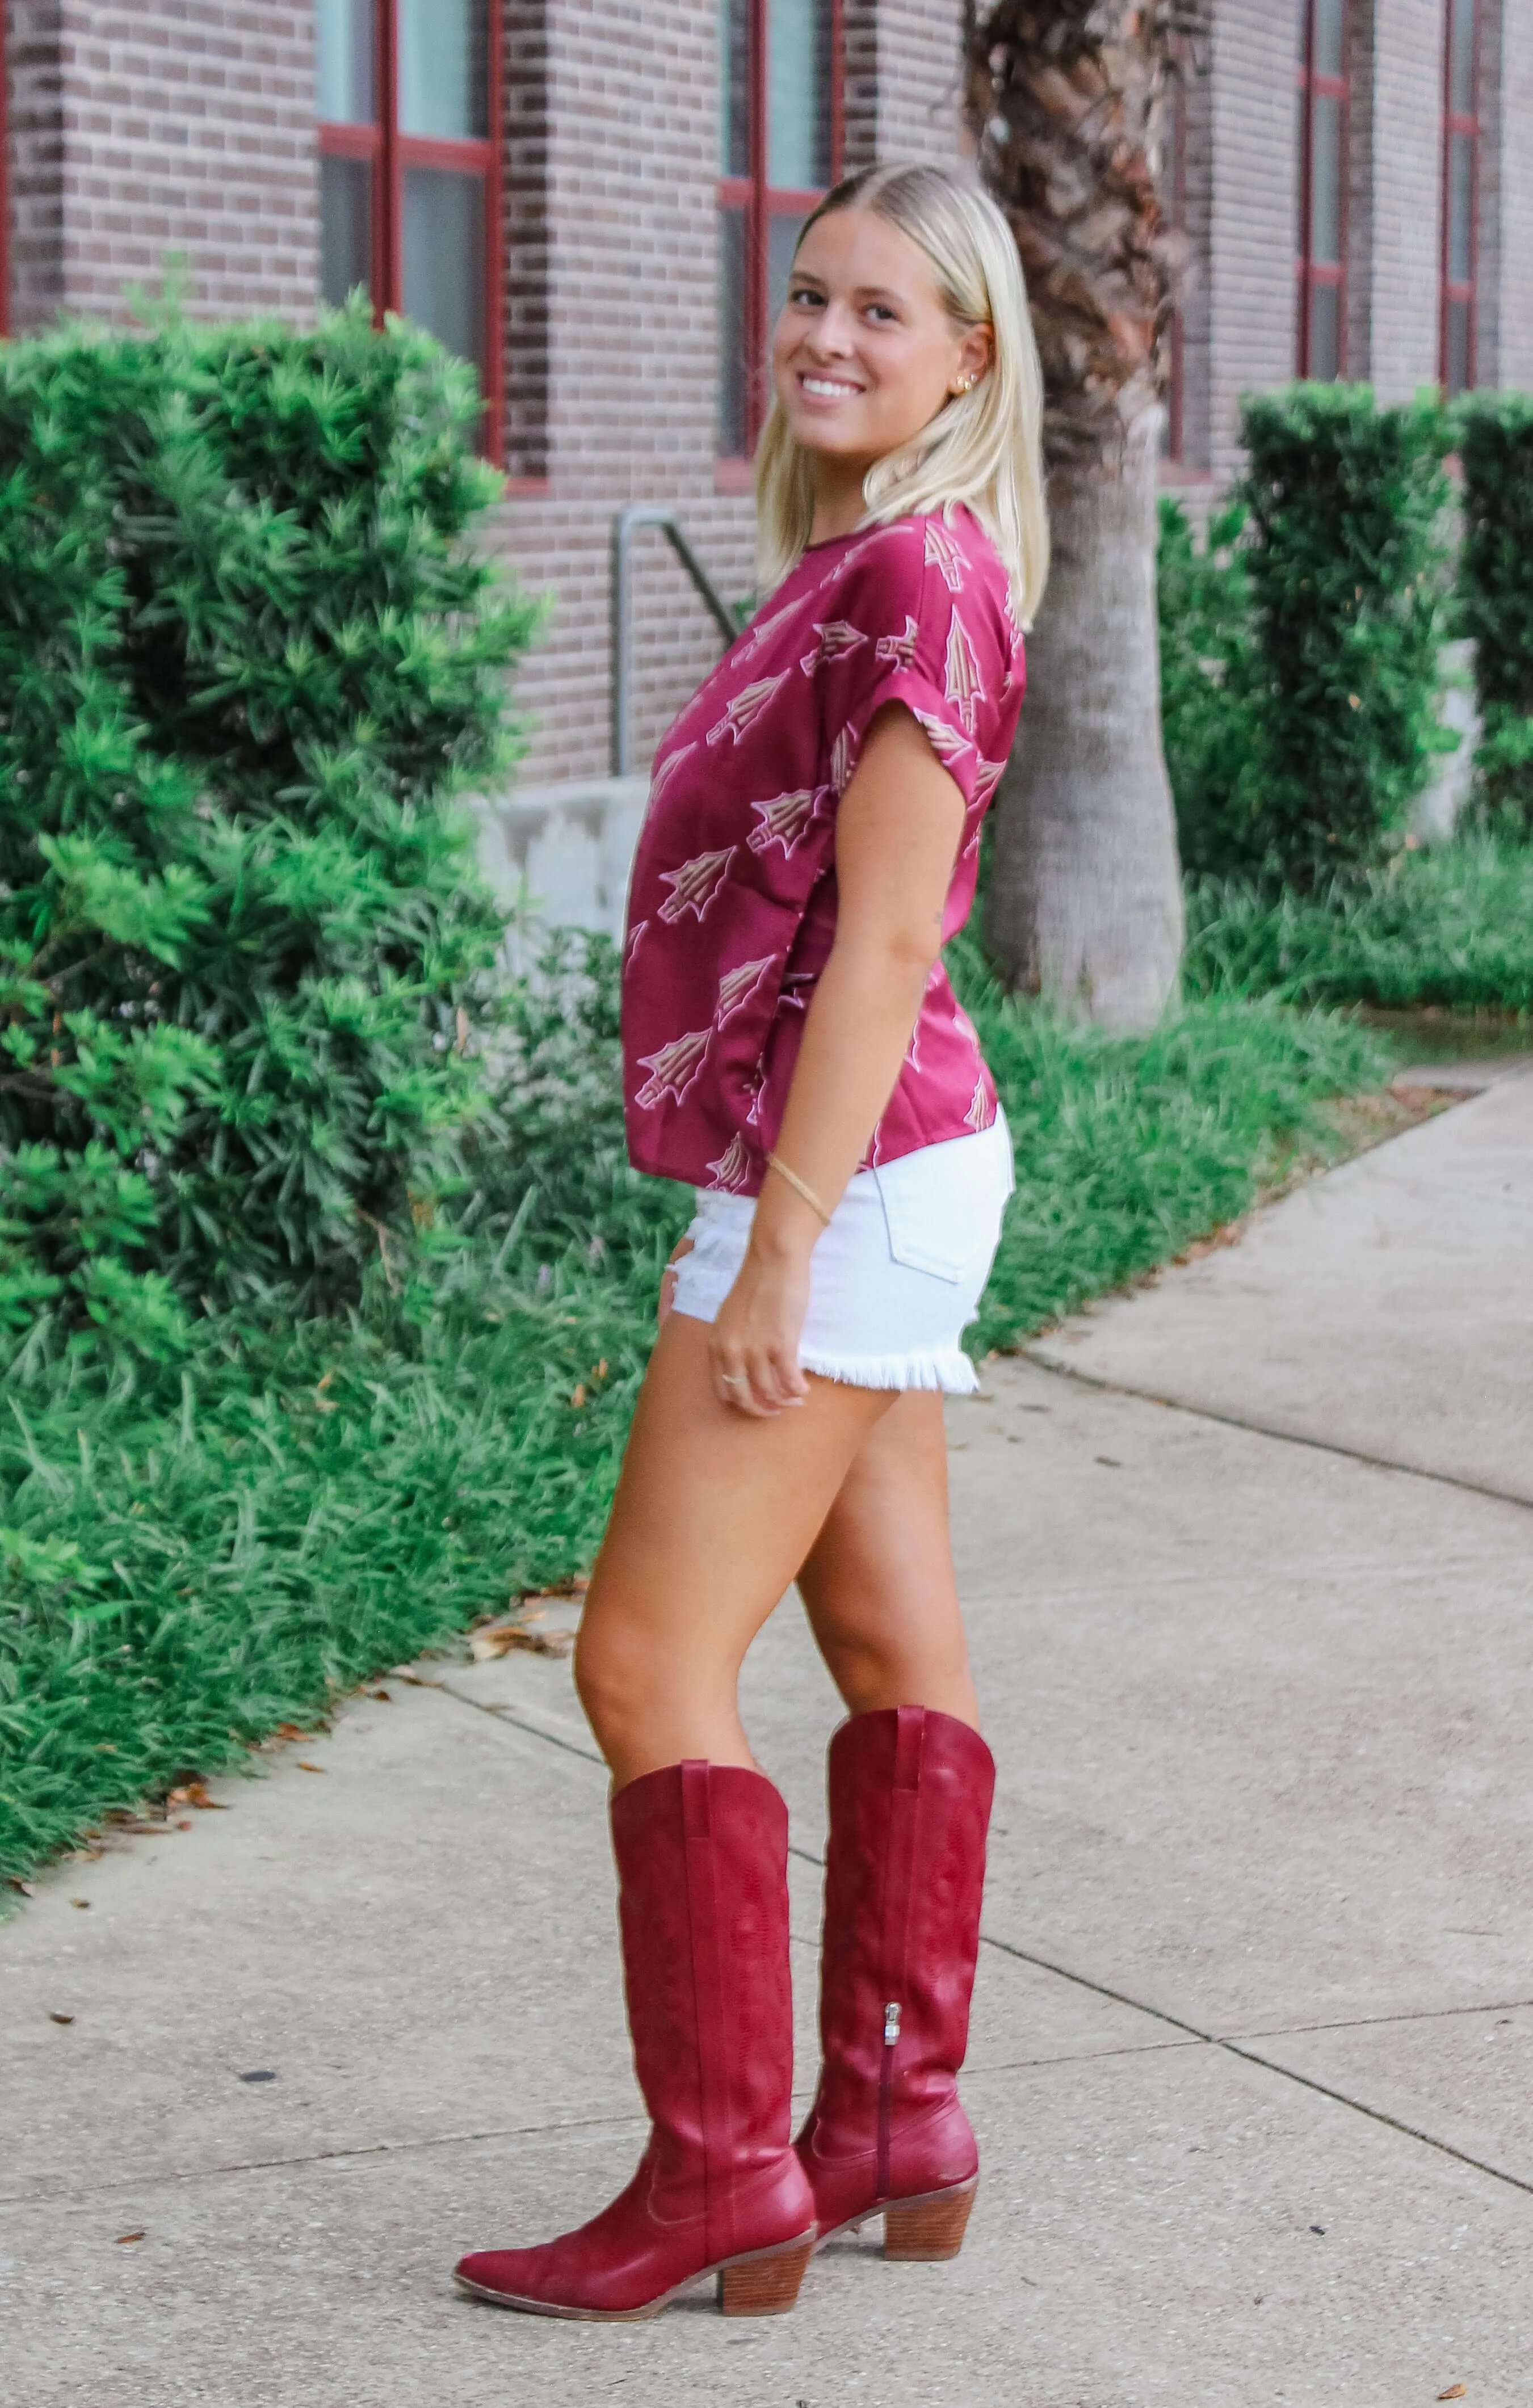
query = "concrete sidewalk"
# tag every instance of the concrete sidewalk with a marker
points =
(1253, 2045)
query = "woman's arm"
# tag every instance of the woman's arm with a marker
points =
(897, 835)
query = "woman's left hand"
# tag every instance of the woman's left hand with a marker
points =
(754, 1348)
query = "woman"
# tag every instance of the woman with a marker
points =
(793, 1048)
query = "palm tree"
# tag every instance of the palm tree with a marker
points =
(1066, 98)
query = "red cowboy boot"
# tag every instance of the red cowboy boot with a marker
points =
(701, 1855)
(910, 1802)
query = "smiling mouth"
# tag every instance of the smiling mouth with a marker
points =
(827, 388)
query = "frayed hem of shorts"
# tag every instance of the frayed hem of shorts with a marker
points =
(953, 1374)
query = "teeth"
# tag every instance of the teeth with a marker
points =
(823, 385)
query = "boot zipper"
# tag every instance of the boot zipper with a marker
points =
(886, 2092)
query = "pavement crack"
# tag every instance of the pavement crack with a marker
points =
(1361, 2023)
(1267, 1429)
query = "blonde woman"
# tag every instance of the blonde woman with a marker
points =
(793, 1050)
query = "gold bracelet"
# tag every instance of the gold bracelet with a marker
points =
(800, 1186)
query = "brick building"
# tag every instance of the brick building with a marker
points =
(596, 200)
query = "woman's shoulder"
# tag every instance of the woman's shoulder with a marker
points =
(946, 549)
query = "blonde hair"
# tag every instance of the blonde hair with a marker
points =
(985, 447)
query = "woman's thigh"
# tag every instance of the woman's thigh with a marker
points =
(714, 1515)
(878, 1583)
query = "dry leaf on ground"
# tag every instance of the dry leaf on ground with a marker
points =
(1458, 2392)
(506, 1638)
(124, 2238)
(304, 1767)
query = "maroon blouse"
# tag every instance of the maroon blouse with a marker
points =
(732, 902)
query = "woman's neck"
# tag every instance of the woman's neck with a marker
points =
(839, 505)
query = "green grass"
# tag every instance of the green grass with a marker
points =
(1451, 926)
(194, 1555)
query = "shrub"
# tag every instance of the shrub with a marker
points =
(1347, 573)
(1208, 678)
(1449, 927)
(249, 658)
(1494, 432)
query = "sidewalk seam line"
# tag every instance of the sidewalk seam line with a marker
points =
(1082, 1981)
(1270, 2065)
(1265, 1430)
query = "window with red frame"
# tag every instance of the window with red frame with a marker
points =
(1324, 110)
(408, 95)
(781, 138)
(1461, 196)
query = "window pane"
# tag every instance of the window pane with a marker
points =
(443, 70)
(1325, 332)
(799, 93)
(732, 334)
(1456, 365)
(782, 242)
(345, 224)
(734, 87)
(1325, 184)
(444, 257)
(347, 48)
(1330, 38)
(1461, 210)
(1463, 98)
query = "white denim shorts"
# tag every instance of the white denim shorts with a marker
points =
(895, 1278)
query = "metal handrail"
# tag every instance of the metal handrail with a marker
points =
(648, 514)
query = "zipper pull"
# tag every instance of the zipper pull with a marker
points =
(891, 2023)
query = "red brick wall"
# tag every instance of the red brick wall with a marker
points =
(1250, 271)
(1398, 242)
(157, 127)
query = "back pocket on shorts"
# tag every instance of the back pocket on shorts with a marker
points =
(943, 1204)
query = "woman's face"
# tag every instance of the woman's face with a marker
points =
(865, 355)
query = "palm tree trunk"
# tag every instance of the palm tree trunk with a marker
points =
(1085, 897)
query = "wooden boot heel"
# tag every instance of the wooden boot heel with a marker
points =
(766, 2284)
(931, 2227)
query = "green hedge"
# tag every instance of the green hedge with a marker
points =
(1300, 640)
(1494, 432)
(248, 656)
(1349, 572)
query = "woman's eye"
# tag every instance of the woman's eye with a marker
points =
(881, 314)
(803, 297)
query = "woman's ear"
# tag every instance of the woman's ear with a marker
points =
(976, 353)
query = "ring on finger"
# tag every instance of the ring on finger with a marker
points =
(733, 1379)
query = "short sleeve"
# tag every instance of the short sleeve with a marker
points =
(919, 618)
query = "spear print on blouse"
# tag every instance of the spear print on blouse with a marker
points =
(947, 743)
(979, 1114)
(666, 770)
(766, 627)
(837, 637)
(746, 707)
(985, 778)
(674, 1070)
(736, 987)
(943, 552)
(785, 820)
(842, 762)
(732, 1169)
(900, 650)
(965, 686)
(634, 934)
(696, 884)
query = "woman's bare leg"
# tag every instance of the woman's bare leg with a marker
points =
(715, 1512)
(878, 1583)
